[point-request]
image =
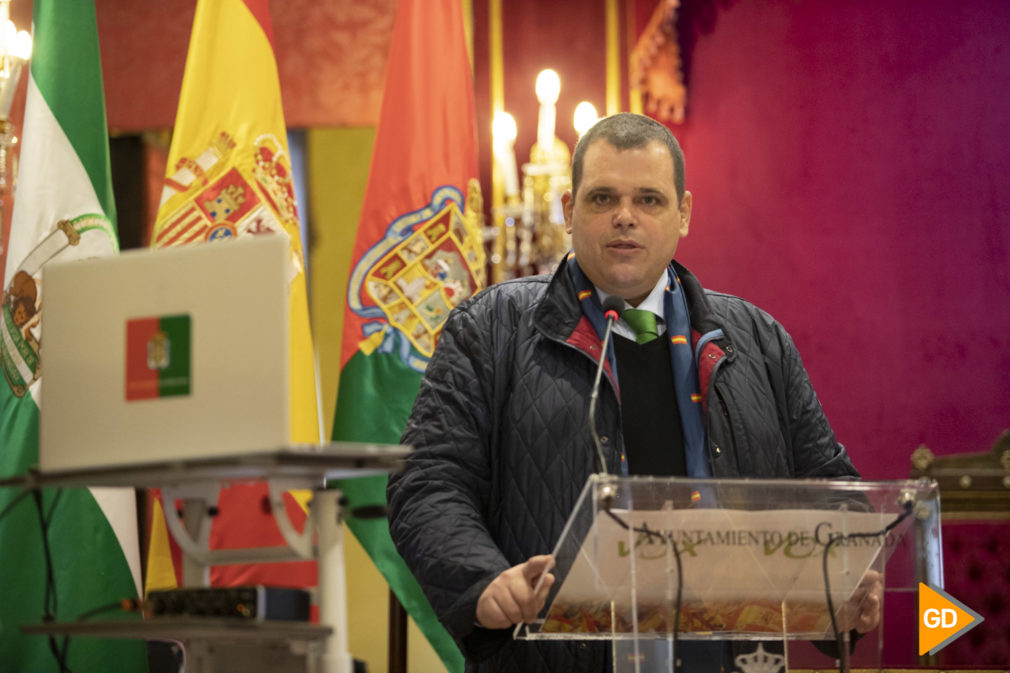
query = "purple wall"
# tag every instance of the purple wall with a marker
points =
(850, 163)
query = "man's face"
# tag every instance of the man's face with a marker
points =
(625, 221)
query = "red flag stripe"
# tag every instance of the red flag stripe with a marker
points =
(261, 10)
(183, 226)
(197, 233)
(184, 217)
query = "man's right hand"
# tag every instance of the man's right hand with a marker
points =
(511, 598)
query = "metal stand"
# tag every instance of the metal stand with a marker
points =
(332, 581)
(215, 645)
(192, 533)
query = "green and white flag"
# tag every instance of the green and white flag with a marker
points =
(63, 210)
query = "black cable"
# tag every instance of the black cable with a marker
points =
(827, 580)
(63, 655)
(51, 597)
(52, 506)
(651, 534)
(62, 659)
(21, 496)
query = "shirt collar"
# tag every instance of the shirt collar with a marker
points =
(653, 302)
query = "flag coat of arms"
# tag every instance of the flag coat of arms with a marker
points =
(68, 551)
(418, 253)
(229, 176)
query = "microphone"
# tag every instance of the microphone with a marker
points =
(612, 309)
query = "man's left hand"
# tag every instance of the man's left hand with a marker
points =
(862, 611)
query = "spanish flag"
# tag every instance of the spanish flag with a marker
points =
(418, 253)
(229, 176)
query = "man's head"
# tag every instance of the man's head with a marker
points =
(628, 208)
(626, 130)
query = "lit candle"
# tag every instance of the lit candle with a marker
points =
(585, 117)
(503, 136)
(22, 47)
(548, 87)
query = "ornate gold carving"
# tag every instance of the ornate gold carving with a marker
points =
(921, 458)
(656, 65)
(973, 486)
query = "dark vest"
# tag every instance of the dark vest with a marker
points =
(653, 435)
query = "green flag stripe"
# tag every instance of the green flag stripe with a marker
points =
(365, 382)
(373, 534)
(66, 68)
(19, 418)
(368, 381)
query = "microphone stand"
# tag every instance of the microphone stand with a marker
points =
(612, 309)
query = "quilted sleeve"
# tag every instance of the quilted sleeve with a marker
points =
(438, 504)
(816, 451)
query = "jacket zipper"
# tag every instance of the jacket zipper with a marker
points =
(604, 439)
(715, 449)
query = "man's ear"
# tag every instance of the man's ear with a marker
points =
(686, 202)
(567, 207)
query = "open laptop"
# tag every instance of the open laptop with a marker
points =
(167, 354)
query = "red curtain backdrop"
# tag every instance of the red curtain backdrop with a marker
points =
(331, 57)
(848, 162)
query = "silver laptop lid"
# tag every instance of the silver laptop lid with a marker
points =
(174, 353)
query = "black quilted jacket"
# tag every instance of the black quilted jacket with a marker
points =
(502, 445)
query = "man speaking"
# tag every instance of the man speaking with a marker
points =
(698, 383)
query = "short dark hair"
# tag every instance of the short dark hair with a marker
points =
(625, 131)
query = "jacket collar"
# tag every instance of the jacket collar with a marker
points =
(559, 313)
(703, 320)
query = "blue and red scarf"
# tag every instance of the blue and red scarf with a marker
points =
(685, 369)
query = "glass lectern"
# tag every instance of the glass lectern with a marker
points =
(773, 573)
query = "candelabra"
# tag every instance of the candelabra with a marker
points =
(15, 48)
(529, 231)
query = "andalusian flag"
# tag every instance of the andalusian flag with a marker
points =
(229, 176)
(418, 253)
(63, 210)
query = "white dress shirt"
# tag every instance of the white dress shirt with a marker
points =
(653, 302)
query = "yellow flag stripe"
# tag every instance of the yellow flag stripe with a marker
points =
(160, 570)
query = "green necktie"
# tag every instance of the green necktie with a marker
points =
(643, 322)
